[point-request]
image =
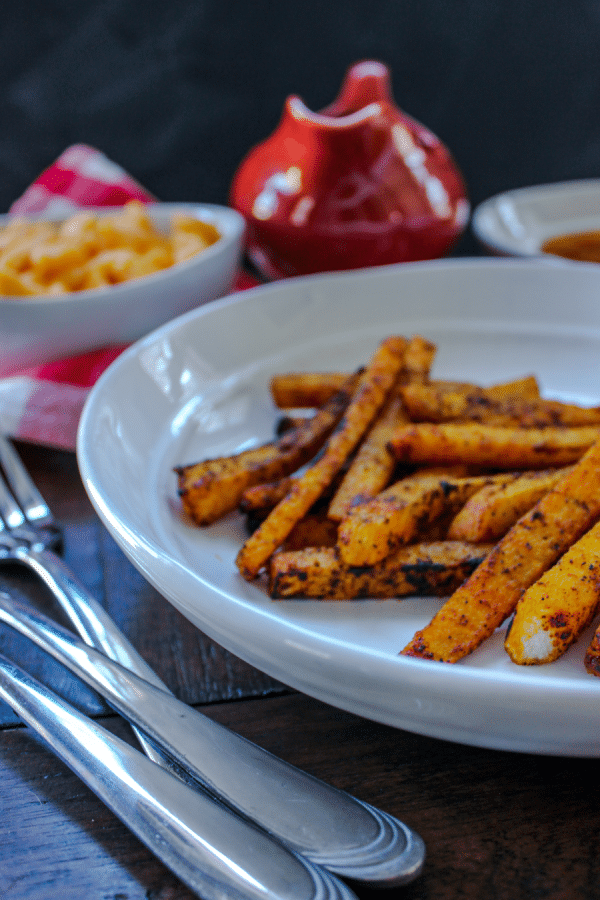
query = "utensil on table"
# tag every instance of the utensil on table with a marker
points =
(330, 827)
(28, 534)
(213, 851)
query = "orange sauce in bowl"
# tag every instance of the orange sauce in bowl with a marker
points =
(582, 245)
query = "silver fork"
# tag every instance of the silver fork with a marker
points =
(328, 826)
(215, 852)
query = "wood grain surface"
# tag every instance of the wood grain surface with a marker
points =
(497, 825)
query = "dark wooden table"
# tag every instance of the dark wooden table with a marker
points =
(498, 826)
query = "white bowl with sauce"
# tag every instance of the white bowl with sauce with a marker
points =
(518, 222)
(40, 328)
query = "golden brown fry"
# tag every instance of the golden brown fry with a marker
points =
(305, 390)
(427, 569)
(418, 358)
(374, 464)
(524, 388)
(492, 446)
(373, 529)
(437, 530)
(531, 546)
(553, 612)
(425, 403)
(373, 389)
(489, 513)
(214, 487)
(372, 467)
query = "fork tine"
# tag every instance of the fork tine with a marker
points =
(11, 515)
(32, 503)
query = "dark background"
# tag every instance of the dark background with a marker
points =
(177, 91)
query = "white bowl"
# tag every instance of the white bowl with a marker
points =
(516, 223)
(39, 329)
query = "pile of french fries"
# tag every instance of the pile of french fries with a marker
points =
(387, 482)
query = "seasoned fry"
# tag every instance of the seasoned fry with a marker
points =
(523, 388)
(427, 569)
(553, 612)
(373, 529)
(371, 394)
(531, 546)
(212, 488)
(539, 413)
(418, 358)
(425, 403)
(489, 513)
(373, 465)
(492, 446)
(305, 390)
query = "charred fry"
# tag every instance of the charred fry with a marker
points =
(425, 403)
(430, 569)
(305, 390)
(492, 446)
(375, 528)
(490, 512)
(371, 394)
(373, 465)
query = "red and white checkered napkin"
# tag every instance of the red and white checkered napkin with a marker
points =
(43, 405)
(81, 176)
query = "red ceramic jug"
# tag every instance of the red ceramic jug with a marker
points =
(358, 184)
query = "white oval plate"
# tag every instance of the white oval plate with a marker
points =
(516, 223)
(198, 387)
